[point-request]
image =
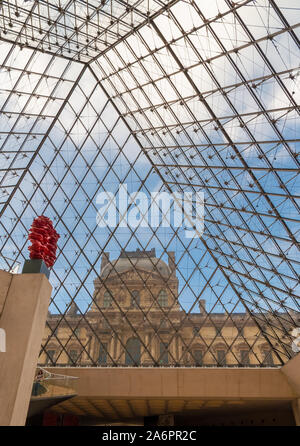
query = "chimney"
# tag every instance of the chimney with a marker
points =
(202, 306)
(73, 309)
(171, 262)
(104, 261)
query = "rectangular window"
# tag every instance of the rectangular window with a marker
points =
(163, 360)
(102, 360)
(245, 357)
(221, 357)
(198, 357)
(163, 298)
(73, 356)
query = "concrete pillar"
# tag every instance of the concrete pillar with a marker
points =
(23, 318)
(5, 280)
(290, 371)
(296, 410)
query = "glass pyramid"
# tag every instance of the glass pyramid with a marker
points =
(189, 98)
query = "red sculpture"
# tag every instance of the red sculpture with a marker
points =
(44, 238)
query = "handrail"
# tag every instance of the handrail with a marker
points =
(50, 375)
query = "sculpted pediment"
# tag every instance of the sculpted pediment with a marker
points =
(137, 275)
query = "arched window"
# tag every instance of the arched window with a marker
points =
(135, 299)
(107, 300)
(163, 298)
(133, 352)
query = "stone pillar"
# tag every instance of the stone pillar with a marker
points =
(146, 354)
(23, 318)
(94, 348)
(173, 350)
(177, 347)
(296, 410)
(148, 350)
(118, 349)
(110, 349)
(154, 342)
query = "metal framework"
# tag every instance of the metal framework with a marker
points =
(173, 96)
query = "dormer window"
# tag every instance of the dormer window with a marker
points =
(107, 300)
(162, 298)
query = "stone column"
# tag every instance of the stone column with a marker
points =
(110, 349)
(23, 319)
(179, 350)
(173, 350)
(94, 349)
(155, 346)
(118, 349)
(149, 349)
